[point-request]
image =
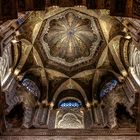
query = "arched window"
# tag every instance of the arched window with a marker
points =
(69, 104)
(31, 87)
(108, 87)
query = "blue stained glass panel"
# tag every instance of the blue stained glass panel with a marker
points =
(31, 87)
(108, 87)
(69, 104)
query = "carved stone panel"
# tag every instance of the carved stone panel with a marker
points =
(69, 119)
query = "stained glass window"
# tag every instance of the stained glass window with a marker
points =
(108, 87)
(69, 104)
(31, 87)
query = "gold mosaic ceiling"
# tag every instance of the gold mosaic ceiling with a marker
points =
(70, 37)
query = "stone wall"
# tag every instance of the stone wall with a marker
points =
(70, 138)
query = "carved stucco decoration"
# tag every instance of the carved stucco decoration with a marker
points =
(114, 45)
(134, 62)
(6, 63)
(70, 37)
(69, 119)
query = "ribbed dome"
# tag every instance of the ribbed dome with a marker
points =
(70, 37)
